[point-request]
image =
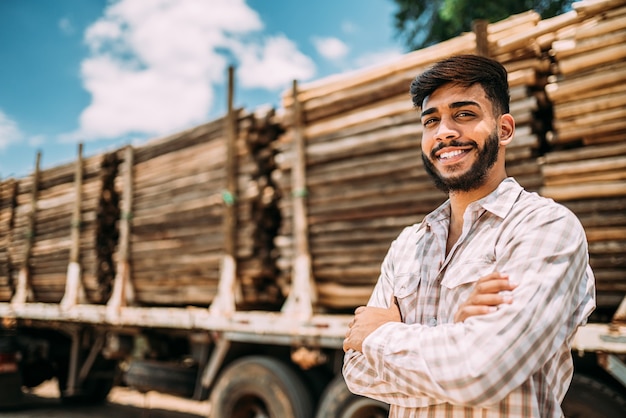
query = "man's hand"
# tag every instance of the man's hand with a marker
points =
(486, 296)
(366, 320)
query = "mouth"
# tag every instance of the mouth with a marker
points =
(451, 156)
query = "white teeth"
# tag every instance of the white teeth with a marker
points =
(450, 154)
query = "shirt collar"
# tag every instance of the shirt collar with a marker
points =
(499, 202)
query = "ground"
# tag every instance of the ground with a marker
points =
(44, 401)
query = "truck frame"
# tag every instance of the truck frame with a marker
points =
(277, 364)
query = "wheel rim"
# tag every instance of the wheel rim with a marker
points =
(364, 408)
(250, 406)
(260, 387)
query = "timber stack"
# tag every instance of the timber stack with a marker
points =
(7, 203)
(364, 175)
(316, 191)
(586, 168)
(178, 198)
(56, 212)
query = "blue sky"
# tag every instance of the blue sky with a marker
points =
(109, 73)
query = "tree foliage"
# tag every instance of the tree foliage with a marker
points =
(420, 23)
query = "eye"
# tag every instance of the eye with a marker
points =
(465, 114)
(428, 121)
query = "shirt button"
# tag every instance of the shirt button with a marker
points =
(432, 322)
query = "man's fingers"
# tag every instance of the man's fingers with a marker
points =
(494, 286)
(489, 299)
(346, 347)
(359, 309)
(494, 276)
(473, 310)
(489, 292)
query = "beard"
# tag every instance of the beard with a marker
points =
(473, 178)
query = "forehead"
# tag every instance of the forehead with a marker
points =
(451, 93)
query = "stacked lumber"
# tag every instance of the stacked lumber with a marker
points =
(591, 181)
(510, 42)
(258, 210)
(179, 202)
(175, 233)
(41, 235)
(586, 89)
(335, 176)
(364, 177)
(7, 196)
(586, 167)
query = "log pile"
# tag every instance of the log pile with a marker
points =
(7, 203)
(340, 165)
(256, 260)
(175, 233)
(586, 168)
(511, 43)
(41, 235)
(364, 175)
(586, 90)
(179, 202)
(591, 181)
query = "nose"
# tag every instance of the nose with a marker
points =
(446, 129)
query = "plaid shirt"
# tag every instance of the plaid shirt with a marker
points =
(514, 362)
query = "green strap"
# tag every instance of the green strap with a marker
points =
(228, 198)
(300, 192)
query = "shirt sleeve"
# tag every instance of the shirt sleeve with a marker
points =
(480, 361)
(360, 377)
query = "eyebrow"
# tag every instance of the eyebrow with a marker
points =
(454, 105)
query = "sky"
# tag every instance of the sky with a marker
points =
(108, 73)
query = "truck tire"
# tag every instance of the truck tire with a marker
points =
(260, 387)
(590, 398)
(172, 378)
(338, 402)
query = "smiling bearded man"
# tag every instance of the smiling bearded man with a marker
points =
(476, 305)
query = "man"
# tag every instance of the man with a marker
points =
(475, 307)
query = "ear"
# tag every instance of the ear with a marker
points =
(506, 129)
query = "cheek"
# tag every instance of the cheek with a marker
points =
(484, 128)
(426, 143)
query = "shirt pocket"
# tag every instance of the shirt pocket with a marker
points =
(405, 292)
(467, 272)
(458, 283)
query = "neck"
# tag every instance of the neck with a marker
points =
(460, 200)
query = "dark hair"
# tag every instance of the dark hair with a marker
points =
(465, 70)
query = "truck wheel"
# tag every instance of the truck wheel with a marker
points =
(339, 402)
(590, 398)
(260, 387)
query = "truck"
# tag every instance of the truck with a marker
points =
(223, 263)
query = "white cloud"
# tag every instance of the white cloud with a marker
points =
(154, 64)
(330, 48)
(9, 131)
(101, 32)
(273, 65)
(148, 100)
